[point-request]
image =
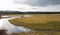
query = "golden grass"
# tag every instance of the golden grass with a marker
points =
(43, 18)
(39, 21)
(38, 33)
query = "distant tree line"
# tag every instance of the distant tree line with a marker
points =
(17, 12)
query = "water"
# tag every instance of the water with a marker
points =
(5, 24)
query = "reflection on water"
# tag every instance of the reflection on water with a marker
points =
(5, 24)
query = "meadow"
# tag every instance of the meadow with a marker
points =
(37, 33)
(39, 23)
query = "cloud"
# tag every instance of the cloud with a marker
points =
(42, 2)
(36, 8)
(30, 5)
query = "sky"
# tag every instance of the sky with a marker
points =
(30, 5)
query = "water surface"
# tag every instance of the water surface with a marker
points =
(5, 24)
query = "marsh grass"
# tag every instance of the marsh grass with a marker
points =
(37, 33)
(39, 22)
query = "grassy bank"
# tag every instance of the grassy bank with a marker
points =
(13, 14)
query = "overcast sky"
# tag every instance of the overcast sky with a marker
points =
(30, 5)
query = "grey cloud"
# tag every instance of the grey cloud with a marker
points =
(42, 2)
